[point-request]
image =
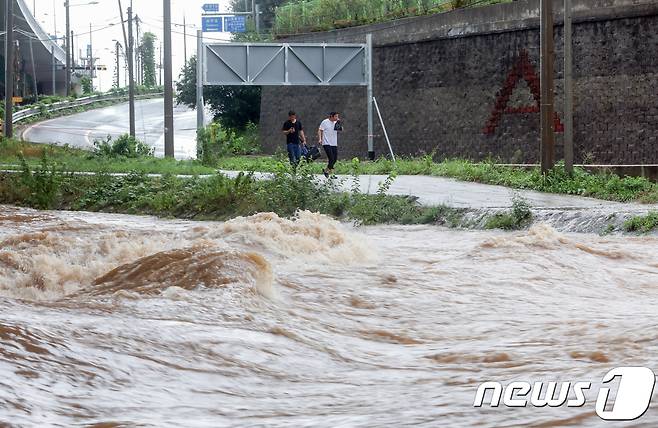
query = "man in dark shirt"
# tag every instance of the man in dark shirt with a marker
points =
(294, 132)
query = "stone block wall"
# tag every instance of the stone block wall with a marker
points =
(467, 85)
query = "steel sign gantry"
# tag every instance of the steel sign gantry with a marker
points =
(290, 64)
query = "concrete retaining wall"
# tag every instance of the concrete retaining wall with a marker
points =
(466, 84)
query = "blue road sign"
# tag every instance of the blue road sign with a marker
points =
(235, 24)
(211, 7)
(211, 24)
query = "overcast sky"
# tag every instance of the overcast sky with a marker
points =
(105, 21)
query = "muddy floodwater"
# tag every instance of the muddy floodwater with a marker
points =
(131, 321)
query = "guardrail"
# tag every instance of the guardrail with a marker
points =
(63, 105)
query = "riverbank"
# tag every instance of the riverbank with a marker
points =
(212, 197)
(46, 178)
(603, 185)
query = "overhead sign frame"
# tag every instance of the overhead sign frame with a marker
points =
(276, 64)
(288, 64)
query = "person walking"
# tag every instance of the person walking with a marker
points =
(328, 138)
(294, 132)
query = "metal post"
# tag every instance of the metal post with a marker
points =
(54, 69)
(138, 49)
(118, 46)
(184, 40)
(568, 86)
(199, 81)
(68, 49)
(257, 17)
(34, 73)
(72, 52)
(9, 70)
(160, 68)
(168, 83)
(547, 87)
(91, 59)
(131, 78)
(370, 95)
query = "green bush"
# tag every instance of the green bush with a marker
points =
(215, 142)
(644, 224)
(518, 217)
(39, 188)
(125, 146)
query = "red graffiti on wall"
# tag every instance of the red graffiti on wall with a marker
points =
(523, 69)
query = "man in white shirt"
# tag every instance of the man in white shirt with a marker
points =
(328, 138)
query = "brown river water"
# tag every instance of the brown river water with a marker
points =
(113, 320)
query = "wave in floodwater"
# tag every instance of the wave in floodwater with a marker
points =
(112, 320)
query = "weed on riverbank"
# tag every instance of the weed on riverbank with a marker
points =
(603, 185)
(518, 217)
(643, 224)
(216, 197)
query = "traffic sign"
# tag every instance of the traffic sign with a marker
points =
(211, 7)
(211, 24)
(235, 24)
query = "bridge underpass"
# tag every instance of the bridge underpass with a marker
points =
(27, 28)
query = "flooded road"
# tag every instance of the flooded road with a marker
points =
(130, 321)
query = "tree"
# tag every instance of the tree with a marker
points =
(267, 8)
(87, 85)
(147, 54)
(233, 106)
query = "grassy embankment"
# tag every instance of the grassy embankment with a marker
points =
(603, 185)
(45, 181)
(174, 197)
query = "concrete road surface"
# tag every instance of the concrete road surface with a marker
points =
(81, 129)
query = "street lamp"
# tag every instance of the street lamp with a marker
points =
(67, 5)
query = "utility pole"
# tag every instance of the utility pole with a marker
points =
(168, 83)
(370, 95)
(55, 19)
(9, 70)
(117, 47)
(184, 40)
(160, 68)
(257, 15)
(547, 86)
(34, 73)
(53, 70)
(131, 78)
(91, 59)
(199, 81)
(72, 51)
(138, 49)
(568, 86)
(68, 49)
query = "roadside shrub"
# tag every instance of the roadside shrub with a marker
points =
(518, 217)
(644, 224)
(125, 146)
(209, 146)
(40, 187)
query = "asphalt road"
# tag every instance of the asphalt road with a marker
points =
(82, 129)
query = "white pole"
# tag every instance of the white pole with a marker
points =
(379, 113)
